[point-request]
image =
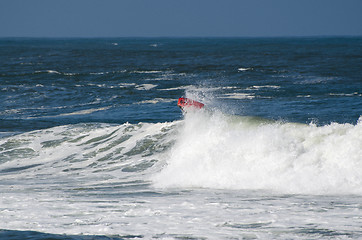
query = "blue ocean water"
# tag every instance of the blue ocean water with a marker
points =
(92, 144)
(44, 82)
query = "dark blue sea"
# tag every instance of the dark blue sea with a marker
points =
(93, 145)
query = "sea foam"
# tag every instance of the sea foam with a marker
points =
(228, 152)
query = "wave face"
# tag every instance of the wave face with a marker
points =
(83, 155)
(224, 173)
(229, 152)
(205, 150)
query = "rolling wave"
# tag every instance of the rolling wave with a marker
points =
(205, 150)
(86, 152)
(229, 152)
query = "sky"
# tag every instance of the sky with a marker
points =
(180, 18)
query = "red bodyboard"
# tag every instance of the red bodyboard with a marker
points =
(185, 103)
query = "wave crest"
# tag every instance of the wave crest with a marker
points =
(228, 152)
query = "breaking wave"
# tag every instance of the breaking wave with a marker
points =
(85, 151)
(230, 152)
(204, 150)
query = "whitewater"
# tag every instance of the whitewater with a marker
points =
(93, 145)
(246, 176)
(233, 152)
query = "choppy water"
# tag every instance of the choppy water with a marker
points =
(93, 145)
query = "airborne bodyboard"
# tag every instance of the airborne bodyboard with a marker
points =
(186, 103)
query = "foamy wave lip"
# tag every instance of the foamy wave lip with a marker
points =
(147, 72)
(84, 112)
(304, 96)
(243, 69)
(7, 134)
(70, 74)
(49, 71)
(263, 86)
(155, 100)
(126, 85)
(81, 112)
(98, 85)
(166, 75)
(174, 88)
(315, 80)
(87, 142)
(238, 96)
(120, 85)
(345, 94)
(56, 72)
(145, 86)
(104, 73)
(221, 152)
(229, 87)
(98, 73)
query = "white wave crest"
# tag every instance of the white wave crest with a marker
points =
(238, 96)
(145, 86)
(223, 152)
(88, 149)
(243, 69)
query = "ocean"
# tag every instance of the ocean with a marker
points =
(93, 145)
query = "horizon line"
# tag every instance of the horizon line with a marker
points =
(177, 37)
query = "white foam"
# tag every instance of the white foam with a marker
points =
(48, 71)
(53, 71)
(314, 79)
(145, 86)
(243, 69)
(156, 100)
(304, 96)
(345, 94)
(220, 152)
(174, 88)
(56, 72)
(147, 72)
(263, 86)
(70, 74)
(126, 85)
(77, 185)
(229, 87)
(104, 73)
(84, 112)
(238, 96)
(78, 146)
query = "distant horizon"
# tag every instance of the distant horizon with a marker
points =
(179, 19)
(178, 37)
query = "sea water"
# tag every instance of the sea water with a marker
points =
(93, 146)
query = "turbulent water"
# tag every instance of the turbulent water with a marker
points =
(93, 146)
